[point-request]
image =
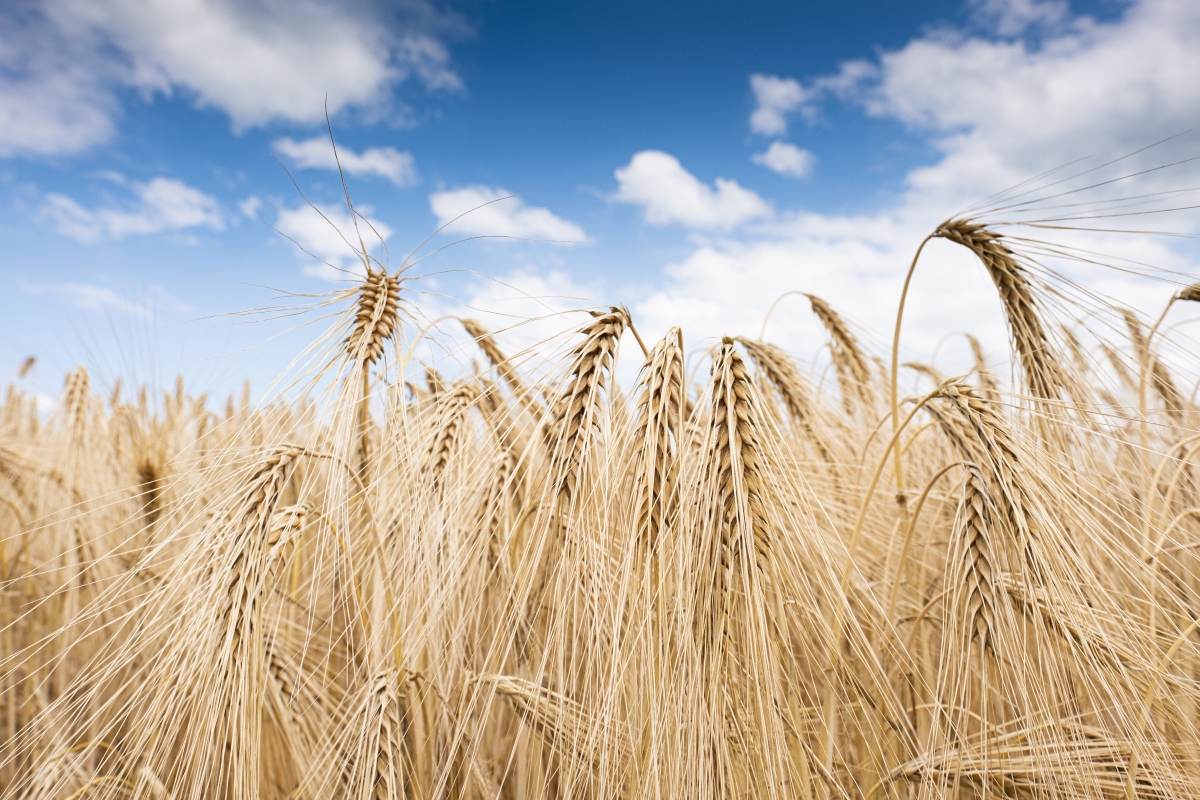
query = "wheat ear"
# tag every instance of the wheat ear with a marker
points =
(1041, 370)
(989, 388)
(658, 424)
(792, 388)
(575, 415)
(504, 367)
(854, 376)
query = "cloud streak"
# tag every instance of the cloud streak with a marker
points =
(489, 211)
(161, 205)
(383, 162)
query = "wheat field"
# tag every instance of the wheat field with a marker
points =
(527, 580)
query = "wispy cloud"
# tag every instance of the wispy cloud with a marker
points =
(162, 204)
(90, 297)
(317, 153)
(488, 211)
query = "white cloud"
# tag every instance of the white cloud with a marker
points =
(487, 211)
(332, 239)
(162, 204)
(668, 193)
(786, 159)
(63, 62)
(317, 153)
(774, 97)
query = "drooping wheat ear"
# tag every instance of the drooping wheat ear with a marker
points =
(564, 725)
(781, 371)
(659, 419)
(574, 416)
(376, 318)
(854, 376)
(450, 428)
(989, 388)
(77, 395)
(926, 370)
(1043, 375)
(1127, 378)
(504, 367)
(1160, 379)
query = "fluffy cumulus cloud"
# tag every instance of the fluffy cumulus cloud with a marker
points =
(786, 159)
(669, 194)
(62, 62)
(317, 153)
(1033, 89)
(330, 240)
(160, 205)
(487, 211)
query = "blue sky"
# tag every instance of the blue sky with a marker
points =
(705, 157)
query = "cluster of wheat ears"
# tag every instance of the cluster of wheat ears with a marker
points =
(511, 583)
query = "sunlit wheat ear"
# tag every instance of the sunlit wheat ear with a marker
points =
(989, 388)
(504, 367)
(1160, 379)
(376, 316)
(77, 396)
(737, 443)
(450, 429)
(575, 414)
(795, 392)
(854, 376)
(741, 527)
(975, 568)
(1040, 369)
(657, 426)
